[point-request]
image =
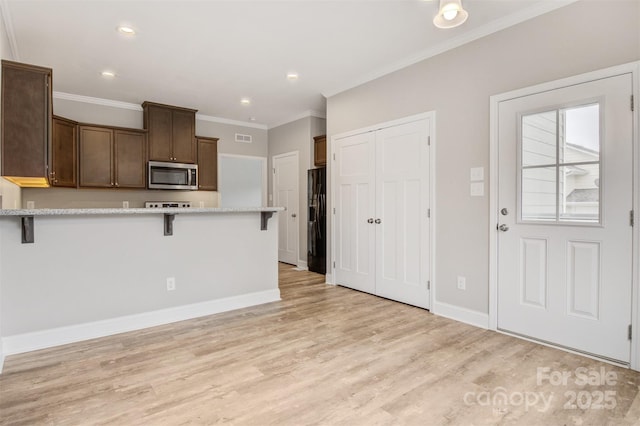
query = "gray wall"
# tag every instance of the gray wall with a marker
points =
(296, 136)
(457, 85)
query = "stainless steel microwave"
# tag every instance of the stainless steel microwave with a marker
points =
(172, 175)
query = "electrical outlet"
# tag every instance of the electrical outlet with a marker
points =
(171, 283)
(125, 204)
(201, 204)
(462, 283)
(31, 205)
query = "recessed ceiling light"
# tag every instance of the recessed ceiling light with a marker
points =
(252, 119)
(245, 101)
(126, 30)
(292, 76)
(108, 74)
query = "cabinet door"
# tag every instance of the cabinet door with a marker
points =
(208, 164)
(96, 157)
(320, 150)
(26, 120)
(130, 159)
(159, 124)
(65, 153)
(184, 143)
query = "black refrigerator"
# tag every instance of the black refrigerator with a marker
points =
(317, 226)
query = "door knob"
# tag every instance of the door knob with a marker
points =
(503, 228)
(504, 211)
(378, 221)
(370, 220)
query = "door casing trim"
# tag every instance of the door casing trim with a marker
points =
(632, 68)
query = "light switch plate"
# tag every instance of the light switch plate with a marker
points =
(477, 189)
(476, 174)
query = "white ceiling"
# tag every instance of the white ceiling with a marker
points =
(208, 54)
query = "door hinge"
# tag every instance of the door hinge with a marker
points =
(629, 332)
(632, 104)
(334, 264)
(334, 156)
(274, 170)
(428, 140)
(429, 213)
(428, 285)
(334, 210)
(631, 218)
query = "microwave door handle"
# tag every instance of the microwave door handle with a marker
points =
(189, 180)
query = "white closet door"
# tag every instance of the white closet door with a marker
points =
(402, 223)
(355, 228)
(382, 202)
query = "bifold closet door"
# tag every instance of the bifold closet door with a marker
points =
(382, 202)
(355, 207)
(402, 203)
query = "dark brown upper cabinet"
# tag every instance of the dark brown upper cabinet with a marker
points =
(171, 133)
(112, 157)
(26, 123)
(207, 163)
(320, 150)
(64, 156)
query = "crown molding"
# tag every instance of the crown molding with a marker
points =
(8, 27)
(305, 114)
(135, 107)
(231, 122)
(483, 31)
(96, 101)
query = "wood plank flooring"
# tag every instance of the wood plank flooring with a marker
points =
(324, 355)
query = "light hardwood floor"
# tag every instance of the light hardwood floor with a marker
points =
(323, 355)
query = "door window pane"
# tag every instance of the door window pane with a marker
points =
(560, 165)
(539, 138)
(539, 194)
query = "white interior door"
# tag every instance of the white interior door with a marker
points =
(355, 210)
(565, 195)
(382, 202)
(402, 202)
(285, 190)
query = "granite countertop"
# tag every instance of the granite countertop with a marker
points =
(121, 211)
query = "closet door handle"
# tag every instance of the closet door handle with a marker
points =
(378, 221)
(370, 220)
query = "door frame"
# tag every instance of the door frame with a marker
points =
(632, 68)
(273, 193)
(431, 116)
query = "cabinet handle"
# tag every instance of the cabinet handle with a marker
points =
(117, 184)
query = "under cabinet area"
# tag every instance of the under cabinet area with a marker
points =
(26, 123)
(64, 153)
(207, 163)
(171, 133)
(112, 157)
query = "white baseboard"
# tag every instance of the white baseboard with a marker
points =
(302, 265)
(63, 335)
(328, 278)
(1, 361)
(468, 316)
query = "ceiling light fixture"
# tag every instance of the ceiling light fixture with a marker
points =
(245, 101)
(123, 29)
(108, 74)
(450, 15)
(292, 76)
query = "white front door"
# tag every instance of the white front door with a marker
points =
(285, 190)
(565, 195)
(382, 202)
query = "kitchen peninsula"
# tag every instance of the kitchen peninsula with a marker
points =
(97, 272)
